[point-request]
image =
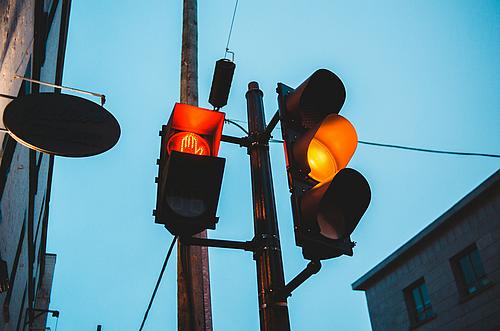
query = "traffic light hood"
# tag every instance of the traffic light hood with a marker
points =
(323, 93)
(344, 203)
(331, 211)
(325, 149)
(204, 123)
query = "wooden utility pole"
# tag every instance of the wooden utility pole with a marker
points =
(194, 311)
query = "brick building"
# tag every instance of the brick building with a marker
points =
(32, 43)
(446, 277)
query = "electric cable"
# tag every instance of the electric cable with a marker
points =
(158, 282)
(231, 30)
(428, 150)
(236, 124)
(408, 148)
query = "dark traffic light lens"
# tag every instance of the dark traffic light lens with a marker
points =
(187, 205)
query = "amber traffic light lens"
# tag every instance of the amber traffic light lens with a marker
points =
(331, 147)
(321, 161)
(188, 142)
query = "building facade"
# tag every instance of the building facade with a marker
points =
(33, 37)
(446, 277)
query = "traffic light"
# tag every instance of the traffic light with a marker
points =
(328, 199)
(190, 173)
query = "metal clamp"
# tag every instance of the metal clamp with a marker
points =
(264, 243)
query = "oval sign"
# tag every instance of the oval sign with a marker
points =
(61, 124)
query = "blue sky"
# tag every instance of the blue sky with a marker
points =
(422, 74)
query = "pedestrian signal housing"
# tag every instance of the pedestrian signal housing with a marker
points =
(190, 173)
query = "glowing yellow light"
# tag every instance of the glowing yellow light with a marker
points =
(331, 148)
(322, 164)
(188, 142)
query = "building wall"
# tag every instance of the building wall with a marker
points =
(32, 42)
(478, 223)
(23, 233)
(13, 238)
(43, 292)
(16, 46)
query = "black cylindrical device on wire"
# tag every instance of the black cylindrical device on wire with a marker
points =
(221, 82)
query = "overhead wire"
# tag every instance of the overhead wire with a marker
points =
(417, 149)
(233, 122)
(428, 150)
(158, 282)
(231, 30)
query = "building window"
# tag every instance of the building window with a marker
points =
(418, 302)
(469, 271)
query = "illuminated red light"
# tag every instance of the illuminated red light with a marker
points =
(188, 142)
(194, 130)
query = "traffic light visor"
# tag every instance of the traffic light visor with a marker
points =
(195, 130)
(337, 206)
(323, 93)
(326, 150)
(343, 204)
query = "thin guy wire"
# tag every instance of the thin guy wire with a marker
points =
(236, 124)
(158, 282)
(402, 147)
(231, 28)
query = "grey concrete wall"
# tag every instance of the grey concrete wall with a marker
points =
(479, 223)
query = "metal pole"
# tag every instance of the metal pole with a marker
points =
(273, 313)
(194, 312)
(102, 96)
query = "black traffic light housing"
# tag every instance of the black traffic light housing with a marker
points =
(189, 184)
(326, 210)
